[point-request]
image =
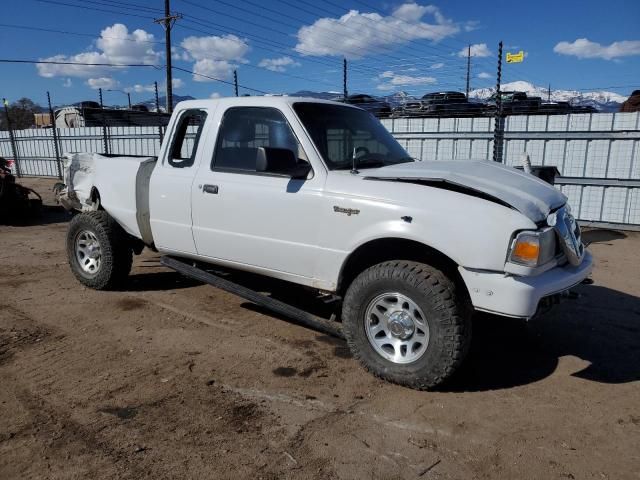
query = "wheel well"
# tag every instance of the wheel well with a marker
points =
(385, 249)
(94, 196)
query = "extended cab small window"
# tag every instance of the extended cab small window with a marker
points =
(186, 137)
(244, 130)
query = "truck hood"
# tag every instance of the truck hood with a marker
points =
(492, 181)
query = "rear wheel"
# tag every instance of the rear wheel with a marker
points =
(405, 323)
(99, 250)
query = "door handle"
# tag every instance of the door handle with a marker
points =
(210, 188)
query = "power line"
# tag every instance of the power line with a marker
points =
(357, 51)
(54, 2)
(55, 62)
(366, 71)
(355, 67)
(363, 22)
(78, 34)
(219, 80)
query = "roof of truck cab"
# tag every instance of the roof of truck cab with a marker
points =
(266, 101)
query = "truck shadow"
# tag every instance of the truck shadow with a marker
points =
(158, 281)
(602, 328)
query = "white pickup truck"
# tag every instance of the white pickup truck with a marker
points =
(319, 194)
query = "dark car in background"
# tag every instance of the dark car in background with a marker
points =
(377, 107)
(515, 103)
(443, 104)
(554, 108)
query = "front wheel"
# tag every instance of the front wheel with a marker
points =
(406, 323)
(99, 251)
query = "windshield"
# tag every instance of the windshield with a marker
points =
(340, 132)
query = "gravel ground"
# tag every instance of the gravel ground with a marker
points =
(173, 379)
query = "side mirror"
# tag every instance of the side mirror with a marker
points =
(281, 161)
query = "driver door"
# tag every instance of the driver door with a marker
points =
(264, 221)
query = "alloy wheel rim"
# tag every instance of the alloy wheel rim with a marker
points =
(396, 328)
(88, 252)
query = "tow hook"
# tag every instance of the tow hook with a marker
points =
(569, 295)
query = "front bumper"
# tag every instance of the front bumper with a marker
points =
(519, 296)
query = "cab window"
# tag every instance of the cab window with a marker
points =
(244, 130)
(186, 138)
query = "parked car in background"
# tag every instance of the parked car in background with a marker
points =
(554, 108)
(515, 103)
(379, 108)
(443, 104)
(583, 109)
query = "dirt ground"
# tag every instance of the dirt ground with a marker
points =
(172, 379)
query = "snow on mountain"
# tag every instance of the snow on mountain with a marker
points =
(602, 100)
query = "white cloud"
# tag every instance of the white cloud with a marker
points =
(584, 48)
(179, 54)
(177, 83)
(120, 46)
(115, 45)
(356, 34)
(103, 82)
(484, 75)
(67, 83)
(278, 64)
(215, 56)
(220, 69)
(214, 95)
(436, 66)
(225, 47)
(477, 50)
(391, 80)
(52, 70)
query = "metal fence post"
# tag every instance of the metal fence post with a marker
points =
(12, 140)
(54, 130)
(160, 133)
(498, 132)
(105, 137)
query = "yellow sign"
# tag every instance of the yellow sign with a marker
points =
(515, 57)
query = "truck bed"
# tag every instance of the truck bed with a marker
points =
(117, 183)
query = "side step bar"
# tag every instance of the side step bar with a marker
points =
(299, 316)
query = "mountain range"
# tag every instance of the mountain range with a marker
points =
(600, 99)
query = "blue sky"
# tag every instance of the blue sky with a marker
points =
(289, 45)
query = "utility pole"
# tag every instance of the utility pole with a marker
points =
(345, 93)
(549, 94)
(129, 98)
(235, 82)
(167, 22)
(468, 68)
(498, 131)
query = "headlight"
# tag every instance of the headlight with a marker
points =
(533, 248)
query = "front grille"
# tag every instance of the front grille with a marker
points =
(569, 235)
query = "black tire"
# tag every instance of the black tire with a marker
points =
(116, 254)
(448, 316)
